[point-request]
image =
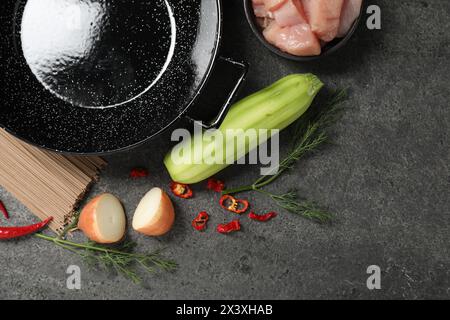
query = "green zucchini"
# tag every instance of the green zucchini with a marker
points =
(275, 107)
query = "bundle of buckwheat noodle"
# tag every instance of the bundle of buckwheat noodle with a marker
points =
(47, 183)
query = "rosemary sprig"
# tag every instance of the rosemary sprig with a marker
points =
(310, 134)
(121, 258)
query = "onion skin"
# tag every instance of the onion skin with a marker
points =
(162, 221)
(88, 222)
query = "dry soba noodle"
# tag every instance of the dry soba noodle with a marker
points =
(48, 184)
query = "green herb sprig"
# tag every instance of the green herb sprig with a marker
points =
(72, 226)
(308, 209)
(121, 258)
(310, 133)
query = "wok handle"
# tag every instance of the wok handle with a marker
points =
(241, 69)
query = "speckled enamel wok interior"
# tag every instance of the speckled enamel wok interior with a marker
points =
(101, 76)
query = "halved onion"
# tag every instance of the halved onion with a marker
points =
(103, 219)
(155, 214)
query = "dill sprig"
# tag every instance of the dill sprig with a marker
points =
(72, 226)
(119, 258)
(292, 203)
(307, 209)
(310, 133)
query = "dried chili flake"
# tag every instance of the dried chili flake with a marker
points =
(3, 210)
(263, 217)
(199, 223)
(216, 185)
(232, 204)
(183, 191)
(137, 173)
(230, 227)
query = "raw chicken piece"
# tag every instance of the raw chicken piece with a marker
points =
(290, 14)
(259, 8)
(272, 32)
(298, 40)
(350, 12)
(273, 5)
(324, 17)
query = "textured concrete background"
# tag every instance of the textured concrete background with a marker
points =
(386, 178)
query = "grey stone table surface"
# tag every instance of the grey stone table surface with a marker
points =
(386, 178)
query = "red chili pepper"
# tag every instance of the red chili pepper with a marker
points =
(262, 218)
(17, 232)
(230, 227)
(216, 185)
(137, 173)
(200, 221)
(232, 204)
(183, 191)
(3, 210)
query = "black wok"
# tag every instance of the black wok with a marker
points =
(100, 76)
